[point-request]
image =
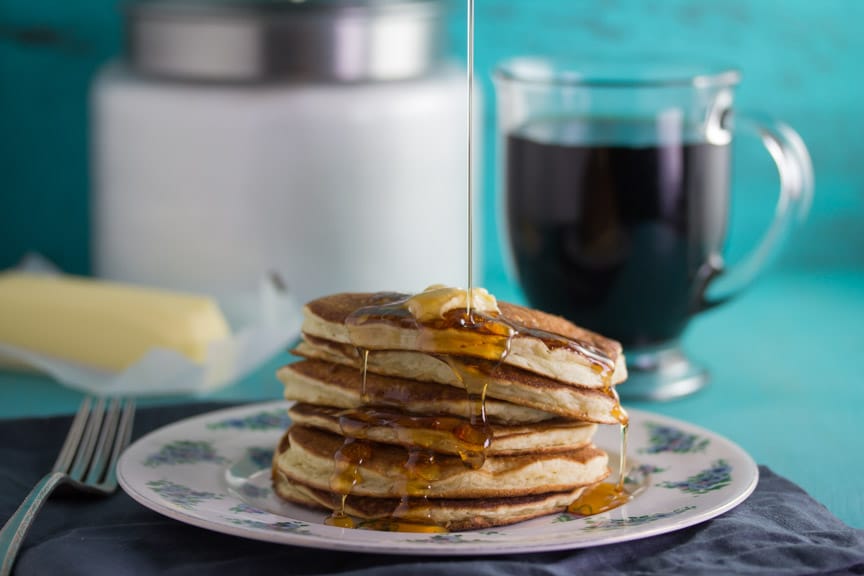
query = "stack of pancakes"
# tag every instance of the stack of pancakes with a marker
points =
(403, 441)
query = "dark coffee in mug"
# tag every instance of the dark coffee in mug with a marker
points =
(611, 221)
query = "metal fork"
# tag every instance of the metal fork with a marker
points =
(86, 463)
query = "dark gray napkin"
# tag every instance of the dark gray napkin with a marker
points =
(778, 530)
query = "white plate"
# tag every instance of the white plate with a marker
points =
(213, 471)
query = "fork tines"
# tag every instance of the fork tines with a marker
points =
(99, 432)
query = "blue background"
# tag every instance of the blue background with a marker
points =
(785, 356)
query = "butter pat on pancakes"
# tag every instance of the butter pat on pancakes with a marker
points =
(437, 300)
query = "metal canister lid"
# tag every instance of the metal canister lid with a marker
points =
(266, 40)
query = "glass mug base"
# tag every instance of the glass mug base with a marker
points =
(661, 373)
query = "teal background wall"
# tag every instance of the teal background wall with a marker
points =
(801, 60)
(48, 52)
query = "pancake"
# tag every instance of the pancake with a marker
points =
(557, 435)
(542, 343)
(514, 385)
(308, 456)
(451, 514)
(325, 384)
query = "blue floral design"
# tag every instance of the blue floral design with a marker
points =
(456, 538)
(261, 458)
(289, 526)
(716, 477)
(269, 420)
(184, 452)
(638, 474)
(606, 524)
(180, 495)
(252, 491)
(669, 439)
(446, 538)
(242, 507)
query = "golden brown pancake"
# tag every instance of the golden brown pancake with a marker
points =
(504, 382)
(435, 433)
(326, 384)
(449, 513)
(543, 344)
(308, 457)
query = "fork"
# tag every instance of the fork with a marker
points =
(86, 464)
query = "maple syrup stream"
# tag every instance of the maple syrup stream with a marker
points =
(470, 151)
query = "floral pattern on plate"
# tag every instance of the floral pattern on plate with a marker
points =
(718, 476)
(665, 438)
(457, 537)
(639, 473)
(243, 507)
(184, 452)
(181, 495)
(260, 457)
(261, 421)
(289, 526)
(594, 524)
(213, 471)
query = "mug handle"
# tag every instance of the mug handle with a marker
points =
(795, 169)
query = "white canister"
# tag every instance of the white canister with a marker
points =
(321, 140)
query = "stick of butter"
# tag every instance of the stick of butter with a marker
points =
(103, 324)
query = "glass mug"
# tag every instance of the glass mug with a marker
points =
(616, 178)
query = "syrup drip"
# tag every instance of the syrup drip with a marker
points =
(413, 514)
(346, 475)
(475, 381)
(393, 525)
(364, 354)
(421, 470)
(618, 411)
(441, 433)
(622, 457)
(605, 496)
(340, 519)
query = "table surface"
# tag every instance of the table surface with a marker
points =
(785, 385)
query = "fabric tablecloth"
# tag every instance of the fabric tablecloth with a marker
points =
(780, 529)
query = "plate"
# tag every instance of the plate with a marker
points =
(213, 471)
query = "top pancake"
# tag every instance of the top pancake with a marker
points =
(542, 343)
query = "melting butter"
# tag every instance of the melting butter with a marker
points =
(436, 300)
